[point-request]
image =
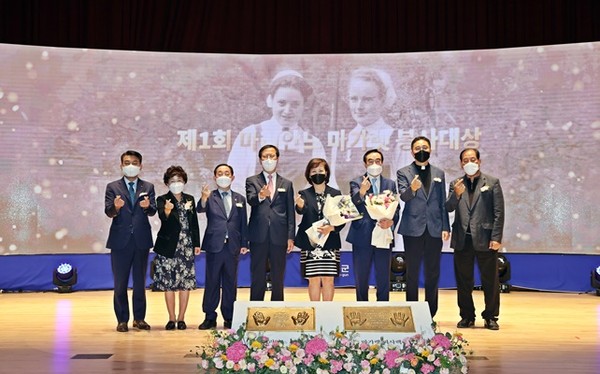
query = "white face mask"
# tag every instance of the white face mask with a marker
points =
(176, 187)
(223, 181)
(374, 170)
(471, 168)
(131, 171)
(269, 165)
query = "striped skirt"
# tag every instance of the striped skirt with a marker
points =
(320, 262)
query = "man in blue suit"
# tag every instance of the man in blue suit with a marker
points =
(424, 222)
(225, 238)
(129, 201)
(363, 253)
(272, 225)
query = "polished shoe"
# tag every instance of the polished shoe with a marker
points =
(141, 324)
(465, 323)
(122, 327)
(181, 325)
(170, 325)
(490, 324)
(227, 324)
(208, 324)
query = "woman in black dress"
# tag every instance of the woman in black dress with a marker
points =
(319, 264)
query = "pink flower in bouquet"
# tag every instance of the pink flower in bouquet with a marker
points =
(336, 366)
(390, 358)
(441, 340)
(427, 368)
(236, 351)
(316, 345)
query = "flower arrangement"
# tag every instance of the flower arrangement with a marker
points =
(383, 205)
(337, 352)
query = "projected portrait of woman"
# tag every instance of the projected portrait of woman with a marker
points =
(289, 96)
(370, 95)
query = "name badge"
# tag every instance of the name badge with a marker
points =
(281, 190)
(239, 205)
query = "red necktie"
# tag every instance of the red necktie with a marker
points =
(270, 186)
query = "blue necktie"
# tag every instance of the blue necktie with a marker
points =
(132, 194)
(374, 184)
(227, 203)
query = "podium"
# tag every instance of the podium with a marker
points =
(372, 321)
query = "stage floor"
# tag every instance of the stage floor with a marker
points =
(44, 332)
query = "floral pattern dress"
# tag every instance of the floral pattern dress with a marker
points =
(177, 273)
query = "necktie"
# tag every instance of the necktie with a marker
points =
(270, 186)
(131, 194)
(375, 188)
(227, 203)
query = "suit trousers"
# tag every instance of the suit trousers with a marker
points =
(362, 257)
(221, 276)
(487, 262)
(134, 260)
(427, 250)
(275, 254)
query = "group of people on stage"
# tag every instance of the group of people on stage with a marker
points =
(270, 234)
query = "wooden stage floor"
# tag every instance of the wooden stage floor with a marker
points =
(44, 333)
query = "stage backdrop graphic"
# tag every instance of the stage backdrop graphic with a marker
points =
(66, 115)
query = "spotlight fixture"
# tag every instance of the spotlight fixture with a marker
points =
(398, 273)
(504, 273)
(595, 280)
(64, 278)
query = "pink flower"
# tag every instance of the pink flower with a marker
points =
(441, 340)
(236, 351)
(336, 366)
(390, 358)
(427, 368)
(316, 345)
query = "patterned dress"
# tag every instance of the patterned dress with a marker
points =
(177, 273)
(320, 262)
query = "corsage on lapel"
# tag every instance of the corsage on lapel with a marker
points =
(188, 205)
(437, 179)
(484, 188)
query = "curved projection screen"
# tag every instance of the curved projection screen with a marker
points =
(66, 115)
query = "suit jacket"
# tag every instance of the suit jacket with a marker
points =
(421, 210)
(484, 215)
(128, 221)
(273, 217)
(310, 214)
(168, 235)
(361, 230)
(219, 224)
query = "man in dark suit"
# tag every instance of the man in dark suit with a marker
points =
(363, 252)
(424, 222)
(272, 225)
(476, 234)
(225, 238)
(129, 201)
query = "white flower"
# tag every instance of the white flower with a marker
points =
(484, 188)
(436, 179)
(283, 369)
(188, 205)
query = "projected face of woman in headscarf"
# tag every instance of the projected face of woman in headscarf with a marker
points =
(369, 93)
(289, 93)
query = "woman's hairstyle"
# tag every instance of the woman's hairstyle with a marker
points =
(173, 171)
(313, 164)
(292, 79)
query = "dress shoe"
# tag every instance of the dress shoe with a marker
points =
(465, 323)
(208, 324)
(181, 325)
(227, 324)
(490, 324)
(141, 324)
(170, 325)
(122, 327)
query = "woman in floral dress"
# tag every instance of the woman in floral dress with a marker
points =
(177, 243)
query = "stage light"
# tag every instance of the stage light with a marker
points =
(504, 273)
(398, 273)
(595, 280)
(64, 278)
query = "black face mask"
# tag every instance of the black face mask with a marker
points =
(422, 156)
(318, 178)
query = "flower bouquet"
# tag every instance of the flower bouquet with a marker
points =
(382, 206)
(337, 210)
(337, 352)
